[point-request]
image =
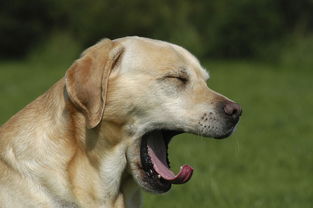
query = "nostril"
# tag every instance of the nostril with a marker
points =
(232, 109)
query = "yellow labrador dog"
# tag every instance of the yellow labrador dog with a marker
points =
(100, 133)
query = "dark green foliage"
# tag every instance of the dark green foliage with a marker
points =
(22, 24)
(215, 28)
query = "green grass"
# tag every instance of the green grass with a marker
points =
(267, 163)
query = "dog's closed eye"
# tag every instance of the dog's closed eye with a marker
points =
(182, 79)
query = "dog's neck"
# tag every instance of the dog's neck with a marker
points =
(102, 151)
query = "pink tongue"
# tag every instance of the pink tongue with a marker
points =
(157, 152)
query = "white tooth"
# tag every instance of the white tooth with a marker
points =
(159, 176)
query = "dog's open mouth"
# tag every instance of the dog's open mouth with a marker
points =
(155, 162)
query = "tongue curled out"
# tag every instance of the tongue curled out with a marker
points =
(157, 152)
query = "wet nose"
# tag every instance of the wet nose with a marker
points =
(233, 109)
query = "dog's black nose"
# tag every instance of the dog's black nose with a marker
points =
(233, 109)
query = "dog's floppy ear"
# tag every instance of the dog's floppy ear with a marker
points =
(86, 80)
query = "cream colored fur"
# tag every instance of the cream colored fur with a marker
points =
(77, 145)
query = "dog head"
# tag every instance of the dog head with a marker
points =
(151, 90)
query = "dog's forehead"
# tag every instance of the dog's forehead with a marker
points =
(145, 53)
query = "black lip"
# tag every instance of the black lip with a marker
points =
(224, 136)
(155, 183)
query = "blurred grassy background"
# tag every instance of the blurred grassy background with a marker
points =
(258, 52)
